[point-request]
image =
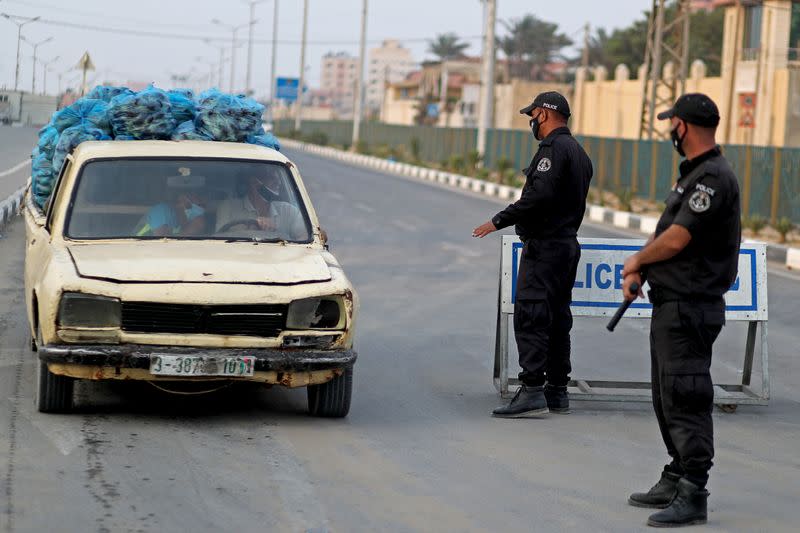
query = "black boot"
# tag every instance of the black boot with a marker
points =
(557, 399)
(689, 507)
(660, 496)
(528, 401)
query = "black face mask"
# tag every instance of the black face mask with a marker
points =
(267, 194)
(677, 140)
(535, 127)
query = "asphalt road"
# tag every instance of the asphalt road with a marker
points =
(419, 451)
(15, 147)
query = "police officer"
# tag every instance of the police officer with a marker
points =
(690, 262)
(547, 218)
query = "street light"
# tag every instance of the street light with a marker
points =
(252, 3)
(25, 21)
(234, 30)
(221, 59)
(46, 65)
(35, 48)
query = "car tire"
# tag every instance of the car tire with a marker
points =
(52, 393)
(331, 399)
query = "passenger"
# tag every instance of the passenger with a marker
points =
(185, 216)
(260, 207)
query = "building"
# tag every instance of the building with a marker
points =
(26, 109)
(758, 93)
(390, 63)
(338, 80)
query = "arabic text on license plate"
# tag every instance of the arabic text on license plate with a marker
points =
(188, 365)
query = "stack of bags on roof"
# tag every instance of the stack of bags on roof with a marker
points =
(120, 114)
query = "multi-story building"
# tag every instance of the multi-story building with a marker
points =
(338, 81)
(390, 63)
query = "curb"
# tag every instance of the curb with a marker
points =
(789, 257)
(11, 205)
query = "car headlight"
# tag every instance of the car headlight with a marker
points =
(79, 310)
(326, 312)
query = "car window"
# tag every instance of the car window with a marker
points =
(187, 199)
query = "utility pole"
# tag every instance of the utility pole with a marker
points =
(360, 79)
(249, 87)
(35, 49)
(46, 65)
(586, 37)
(732, 86)
(487, 75)
(660, 92)
(272, 88)
(234, 30)
(299, 103)
(19, 39)
(221, 61)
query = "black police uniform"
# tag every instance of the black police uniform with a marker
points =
(689, 311)
(547, 218)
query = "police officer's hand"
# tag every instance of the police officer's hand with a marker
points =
(483, 230)
(626, 286)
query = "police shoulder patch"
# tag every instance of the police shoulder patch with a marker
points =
(544, 164)
(699, 201)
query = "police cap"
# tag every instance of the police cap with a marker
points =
(549, 100)
(694, 108)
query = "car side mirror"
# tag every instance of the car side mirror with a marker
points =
(323, 237)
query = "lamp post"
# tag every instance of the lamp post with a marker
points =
(46, 65)
(35, 48)
(221, 59)
(272, 88)
(298, 120)
(19, 38)
(251, 24)
(234, 30)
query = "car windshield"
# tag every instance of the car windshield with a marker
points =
(187, 199)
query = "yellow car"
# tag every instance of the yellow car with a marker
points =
(177, 261)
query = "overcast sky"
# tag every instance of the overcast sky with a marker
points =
(333, 25)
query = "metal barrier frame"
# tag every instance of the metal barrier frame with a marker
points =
(727, 396)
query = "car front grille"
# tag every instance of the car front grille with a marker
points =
(261, 320)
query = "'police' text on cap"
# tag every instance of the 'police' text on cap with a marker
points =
(549, 100)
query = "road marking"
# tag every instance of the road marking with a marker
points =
(63, 434)
(403, 225)
(364, 207)
(461, 250)
(15, 168)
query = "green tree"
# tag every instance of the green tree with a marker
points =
(447, 46)
(530, 44)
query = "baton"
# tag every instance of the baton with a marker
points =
(634, 288)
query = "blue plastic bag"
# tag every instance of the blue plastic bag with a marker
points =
(48, 138)
(144, 115)
(42, 178)
(92, 111)
(182, 102)
(72, 137)
(187, 132)
(264, 139)
(107, 92)
(225, 117)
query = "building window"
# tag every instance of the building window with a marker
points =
(752, 27)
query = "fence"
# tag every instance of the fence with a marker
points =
(769, 177)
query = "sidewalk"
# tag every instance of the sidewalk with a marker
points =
(784, 255)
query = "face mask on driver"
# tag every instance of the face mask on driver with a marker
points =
(194, 211)
(268, 194)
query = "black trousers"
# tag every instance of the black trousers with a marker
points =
(542, 317)
(682, 334)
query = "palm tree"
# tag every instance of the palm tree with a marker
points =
(530, 45)
(447, 46)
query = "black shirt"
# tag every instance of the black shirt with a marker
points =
(553, 200)
(705, 201)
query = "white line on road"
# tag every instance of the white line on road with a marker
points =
(364, 207)
(15, 168)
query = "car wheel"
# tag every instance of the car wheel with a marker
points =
(53, 393)
(331, 399)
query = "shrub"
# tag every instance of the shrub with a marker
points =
(362, 147)
(510, 177)
(456, 163)
(625, 197)
(473, 159)
(503, 164)
(318, 137)
(784, 226)
(482, 173)
(754, 223)
(414, 146)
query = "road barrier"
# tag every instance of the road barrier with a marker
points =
(597, 293)
(10, 206)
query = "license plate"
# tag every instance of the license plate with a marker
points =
(188, 365)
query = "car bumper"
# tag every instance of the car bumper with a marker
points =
(292, 368)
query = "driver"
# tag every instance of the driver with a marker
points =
(261, 205)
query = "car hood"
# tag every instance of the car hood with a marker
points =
(200, 262)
